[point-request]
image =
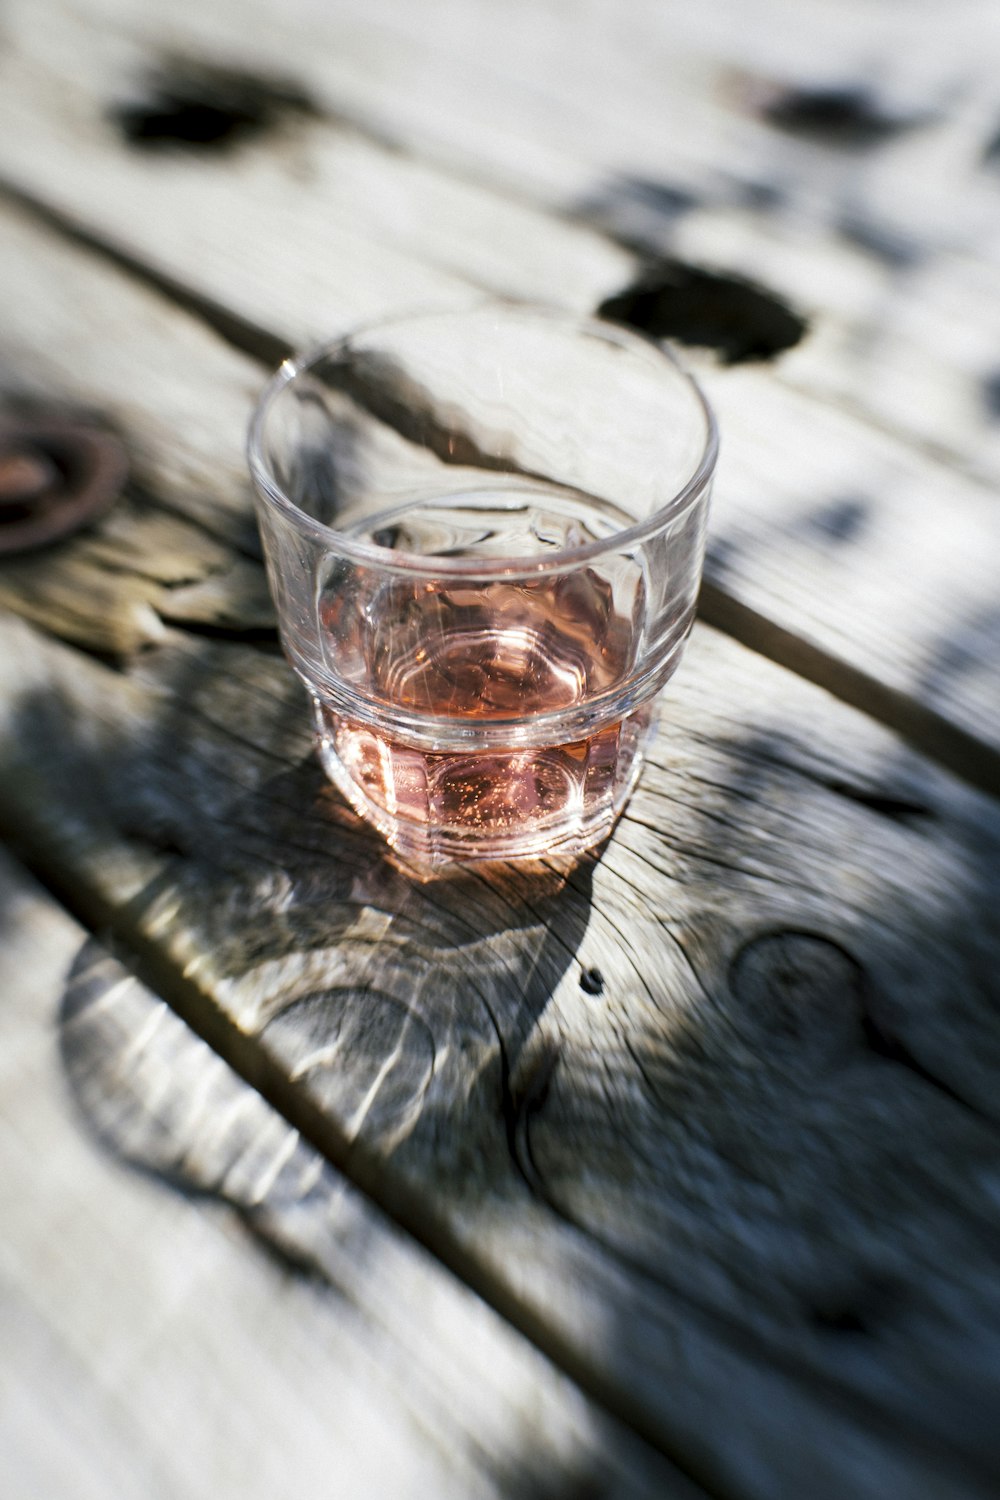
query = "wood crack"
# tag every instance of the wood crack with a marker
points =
(893, 1050)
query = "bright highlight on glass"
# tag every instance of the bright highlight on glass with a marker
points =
(484, 534)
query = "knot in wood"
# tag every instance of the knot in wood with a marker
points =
(710, 309)
(800, 993)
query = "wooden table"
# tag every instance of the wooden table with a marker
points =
(675, 1177)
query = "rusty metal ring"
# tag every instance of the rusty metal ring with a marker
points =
(56, 475)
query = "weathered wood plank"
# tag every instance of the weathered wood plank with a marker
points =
(753, 1163)
(112, 589)
(77, 334)
(152, 1350)
(860, 548)
(675, 140)
(364, 229)
(814, 540)
(743, 1190)
(539, 102)
(809, 535)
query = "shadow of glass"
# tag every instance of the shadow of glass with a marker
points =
(394, 1004)
(407, 1011)
(157, 1098)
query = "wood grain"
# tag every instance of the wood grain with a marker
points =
(711, 1120)
(876, 551)
(192, 1298)
(883, 231)
(755, 1157)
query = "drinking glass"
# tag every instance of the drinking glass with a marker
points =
(484, 532)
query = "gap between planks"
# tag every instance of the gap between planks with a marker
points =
(932, 734)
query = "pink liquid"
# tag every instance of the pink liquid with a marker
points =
(496, 651)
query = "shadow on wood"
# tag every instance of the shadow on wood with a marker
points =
(749, 1149)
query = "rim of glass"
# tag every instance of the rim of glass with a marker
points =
(416, 562)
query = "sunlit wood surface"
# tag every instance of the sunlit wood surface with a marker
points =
(674, 1175)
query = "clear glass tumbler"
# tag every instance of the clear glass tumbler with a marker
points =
(484, 533)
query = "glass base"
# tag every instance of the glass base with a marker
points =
(440, 808)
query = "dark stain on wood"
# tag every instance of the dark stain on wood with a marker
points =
(190, 104)
(740, 320)
(843, 519)
(846, 116)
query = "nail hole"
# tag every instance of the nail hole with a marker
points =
(592, 981)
